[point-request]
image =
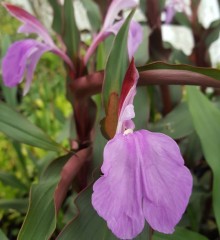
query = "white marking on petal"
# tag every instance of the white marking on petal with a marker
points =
(128, 131)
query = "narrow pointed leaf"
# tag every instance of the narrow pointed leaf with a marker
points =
(116, 67)
(57, 24)
(71, 33)
(177, 124)
(206, 119)
(40, 221)
(14, 125)
(11, 180)
(117, 63)
(16, 204)
(93, 13)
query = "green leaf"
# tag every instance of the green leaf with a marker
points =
(117, 63)
(213, 33)
(17, 204)
(40, 221)
(88, 225)
(2, 235)
(12, 181)
(179, 234)
(14, 125)
(71, 33)
(206, 119)
(142, 54)
(182, 19)
(57, 24)
(141, 114)
(177, 124)
(93, 14)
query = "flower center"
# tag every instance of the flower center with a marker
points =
(128, 131)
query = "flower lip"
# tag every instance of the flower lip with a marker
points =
(159, 184)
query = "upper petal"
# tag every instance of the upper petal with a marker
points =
(108, 27)
(96, 41)
(21, 58)
(135, 37)
(114, 9)
(117, 194)
(166, 182)
(31, 24)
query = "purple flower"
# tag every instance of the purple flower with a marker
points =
(173, 6)
(144, 177)
(135, 34)
(22, 56)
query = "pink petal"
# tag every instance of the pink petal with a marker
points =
(33, 60)
(115, 194)
(101, 37)
(31, 24)
(108, 27)
(114, 9)
(22, 57)
(170, 12)
(135, 38)
(96, 41)
(167, 183)
(144, 177)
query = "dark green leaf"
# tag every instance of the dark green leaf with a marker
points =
(11, 180)
(177, 124)
(141, 113)
(183, 19)
(71, 33)
(93, 13)
(57, 24)
(17, 204)
(206, 119)
(213, 33)
(14, 125)
(40, 221)
(117, 63)
(142, 54)
(179, 234)
(2, 235)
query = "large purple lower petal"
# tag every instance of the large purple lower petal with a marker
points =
(144, 177)
(167, 183)
(117, 194)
